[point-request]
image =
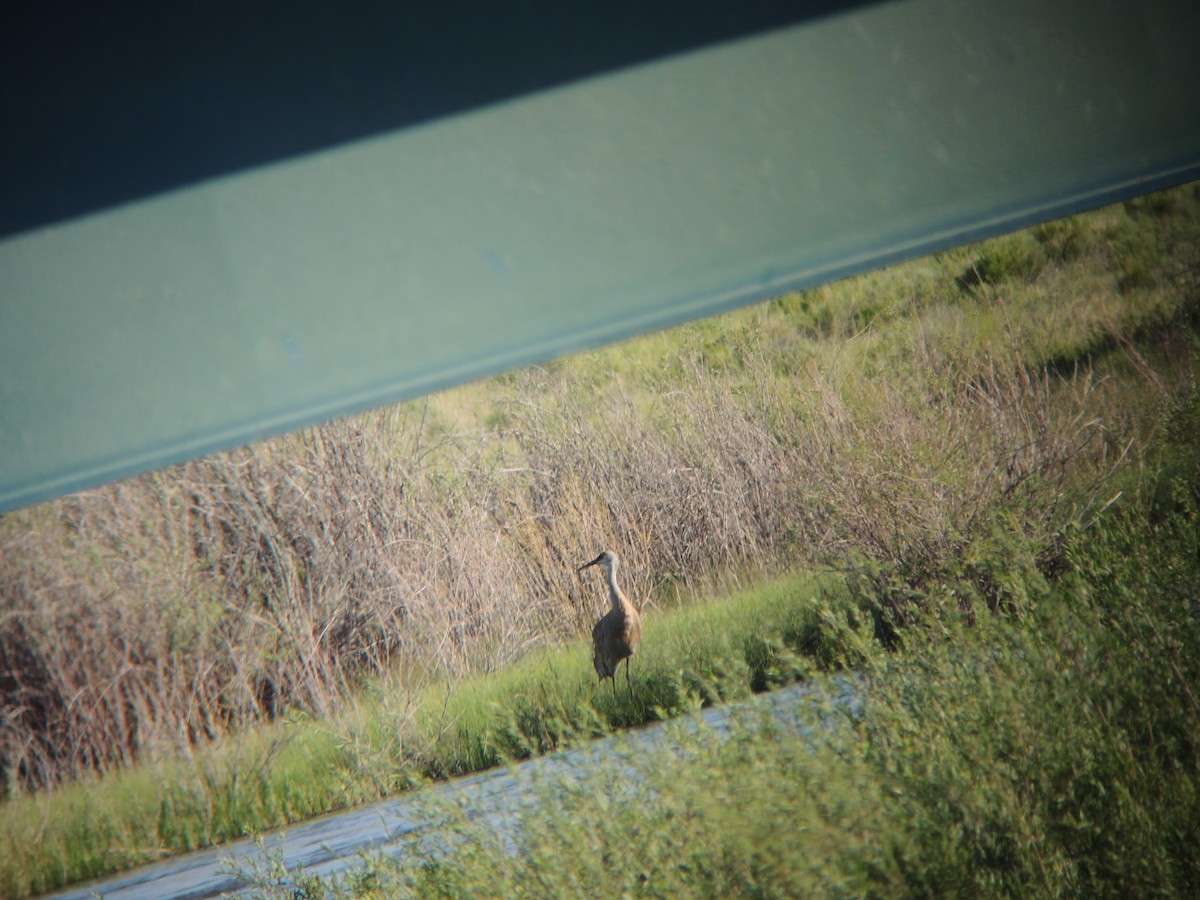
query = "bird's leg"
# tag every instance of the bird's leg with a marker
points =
(628, 683)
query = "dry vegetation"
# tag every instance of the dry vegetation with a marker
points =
(143, 617)
(168, 607)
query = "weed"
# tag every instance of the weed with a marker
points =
(1018, 258)
(1050, 752)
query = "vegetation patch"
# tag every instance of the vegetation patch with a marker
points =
(300, 766)
(1048, 753)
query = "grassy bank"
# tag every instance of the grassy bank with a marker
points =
(1049, 751)
(325, 618)
(300, 766)
(1051, 754)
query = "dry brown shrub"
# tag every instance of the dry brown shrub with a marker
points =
(919, 476)
(161, 610)
(145, 616)
(693, 485)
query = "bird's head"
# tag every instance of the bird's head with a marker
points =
(606, 557)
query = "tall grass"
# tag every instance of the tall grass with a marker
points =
(1054, 752)
(389, 740)
(156, 613)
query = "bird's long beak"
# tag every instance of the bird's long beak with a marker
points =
(592, 563)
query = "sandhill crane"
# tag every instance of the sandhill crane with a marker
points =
(616, 635)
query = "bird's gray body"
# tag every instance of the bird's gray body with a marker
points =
(616, 635)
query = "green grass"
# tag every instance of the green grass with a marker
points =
(702, 652)
(1051, 753)
(691, 656)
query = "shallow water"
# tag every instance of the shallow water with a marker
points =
(331, 845)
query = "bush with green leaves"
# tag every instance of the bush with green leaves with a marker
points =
(1055, 751)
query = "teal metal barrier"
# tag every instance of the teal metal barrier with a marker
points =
(229, 305)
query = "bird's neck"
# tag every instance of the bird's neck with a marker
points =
(615, 596)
